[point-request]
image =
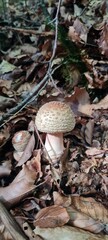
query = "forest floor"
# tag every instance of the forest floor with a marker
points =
(54, 51)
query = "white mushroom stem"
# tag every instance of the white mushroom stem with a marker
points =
(54, 145)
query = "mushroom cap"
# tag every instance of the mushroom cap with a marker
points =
(20, 140)
(54, 117)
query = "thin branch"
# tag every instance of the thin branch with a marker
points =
(56, 31)
(55, 44)
(29, 31)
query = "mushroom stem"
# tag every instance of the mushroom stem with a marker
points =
(54, 145)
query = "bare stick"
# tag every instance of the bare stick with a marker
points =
(29, 31)
(55, 42)
(10, 224)
(56, 31)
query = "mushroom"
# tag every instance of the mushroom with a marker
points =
(19, 142)
(55, 118)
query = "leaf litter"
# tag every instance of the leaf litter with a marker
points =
(50, 200)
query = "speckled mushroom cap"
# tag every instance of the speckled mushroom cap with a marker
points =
(54, 117)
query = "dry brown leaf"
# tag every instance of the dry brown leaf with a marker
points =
(53, 216)
(92, 151)
(36, 161)
(81, 220)
(46, 47)
(80, 102)
(4, 136)
(97, 75)
(67, 233)
(78, 218)
(88, 164)
(73, 35)
(89, 131)
(104, 184)
(24, 88)
(28, 151)
(61, 200)
(91, 208)
(5, 84)
(28, 48)
(103, 104)
(78, 32)
(22, 185)
(103, 41)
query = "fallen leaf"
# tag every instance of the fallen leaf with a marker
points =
(80, 102)
(28, 49)
(78, 218)
(5, 84)
(36, 161)
(53, 216)
(97, 75)
(81, 220)
(67, 233)
(6, 67)
(91, 208)
(98, 153)
(89, 131)
(21, 186)
(4, 135)
(61, 200)
(14, 53)
(103, 41)
(6, 102)
(28, 151)
(103, 104)
(78, 32)
(24, 88)
(73, 35)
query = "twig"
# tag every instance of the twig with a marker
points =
(10, 224)
(54, 84)
(56, 31)
(29, 31)
(55, 44)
